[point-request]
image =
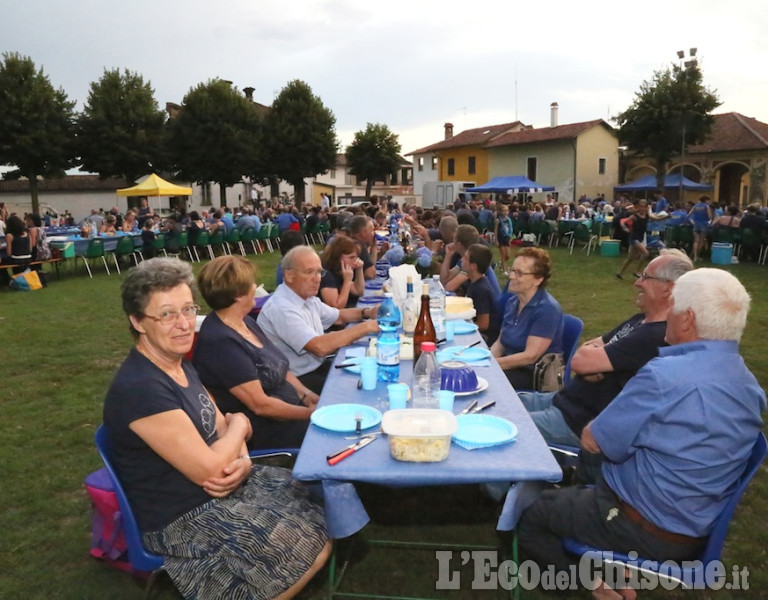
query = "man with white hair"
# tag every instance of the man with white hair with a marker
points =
(676, 440)
(295, 318)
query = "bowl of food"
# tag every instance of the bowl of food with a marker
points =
(457, 376)
(419, 434)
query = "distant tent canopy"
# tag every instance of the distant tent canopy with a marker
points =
(649, 183)
(511, 184)
(154, 185)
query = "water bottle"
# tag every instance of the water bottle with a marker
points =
(388, 344)
(437, 306)
(426, 378)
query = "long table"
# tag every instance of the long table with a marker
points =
(528, 459)
(81, 243)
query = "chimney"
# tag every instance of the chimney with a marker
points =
(553, 114)
(172, 109)
(448, 130)
(249, 93)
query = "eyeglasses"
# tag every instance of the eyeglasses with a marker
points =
(645, 275)
(312, 272)
(169, 317)
(518, 273)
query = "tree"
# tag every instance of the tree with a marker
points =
(216, 136)
(36, 123)
(120, 131)
(373, 155)
(300, 138)
(668, 113)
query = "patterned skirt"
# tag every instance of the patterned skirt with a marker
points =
(253, 544)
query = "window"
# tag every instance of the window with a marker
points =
(531, 172)
(451, 166)
(421, 163)
(434, 163)
(333, 173)
(601, 166)
(471, 165)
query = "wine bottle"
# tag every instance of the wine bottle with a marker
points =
(425, 330)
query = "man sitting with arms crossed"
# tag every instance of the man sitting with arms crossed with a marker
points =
(475, 262)
(294, 319)
(452, 275)
(676, 440)
(603, 366)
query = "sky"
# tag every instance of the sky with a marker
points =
(412, 65)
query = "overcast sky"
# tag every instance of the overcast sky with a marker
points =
(409, 64)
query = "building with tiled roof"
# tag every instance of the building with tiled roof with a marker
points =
(577, 158)
(733, 159)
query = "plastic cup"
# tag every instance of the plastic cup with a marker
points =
(450, 330)
(398, 395)
(368, 372)
(445, 398)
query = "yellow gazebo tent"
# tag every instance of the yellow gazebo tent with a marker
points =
(155, 186)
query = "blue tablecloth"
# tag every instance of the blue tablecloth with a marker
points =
(528, 459)
(81, 244)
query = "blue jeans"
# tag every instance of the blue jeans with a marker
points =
(548, 418)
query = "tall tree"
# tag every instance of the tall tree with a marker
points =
(36, 123)
(668, 113)
(120, 131)
(216, 136)
(373, 155)
(300, 136)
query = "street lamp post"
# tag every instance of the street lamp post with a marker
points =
(685, 65)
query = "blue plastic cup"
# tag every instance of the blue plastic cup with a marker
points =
(445, 399)
(398, 395)
(450, 330)
(368, 372)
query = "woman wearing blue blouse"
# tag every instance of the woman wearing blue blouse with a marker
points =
(533, 320)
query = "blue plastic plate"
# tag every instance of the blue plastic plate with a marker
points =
(463, 327)
(341, 417)
(468, 355)
(369, 300)
(374, 285)
(483, 431)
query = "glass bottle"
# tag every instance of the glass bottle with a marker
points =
(424, 330)
(426, 378)
(410, 309)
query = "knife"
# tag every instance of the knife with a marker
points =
(467, 347)
(342, 454)
(469, 407)
(482, 407)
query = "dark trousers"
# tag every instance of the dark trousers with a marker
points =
(520, 378)
(592, 516)
(315, 380)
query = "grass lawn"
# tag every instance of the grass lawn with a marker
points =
(60, 346)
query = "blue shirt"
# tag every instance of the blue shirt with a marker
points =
(248, 221)
(284, 221)
(541, 317)
(679, 434)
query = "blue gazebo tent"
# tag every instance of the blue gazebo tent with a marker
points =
(649, 183)
(511, 184)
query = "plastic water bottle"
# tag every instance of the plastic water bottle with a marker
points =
(437, 306)
(426, 378)
(388, 344)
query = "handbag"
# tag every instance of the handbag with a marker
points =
(549, 373)
(26, 281)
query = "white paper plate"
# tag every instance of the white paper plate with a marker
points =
(482, 385)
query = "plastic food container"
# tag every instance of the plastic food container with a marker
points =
(419, 435)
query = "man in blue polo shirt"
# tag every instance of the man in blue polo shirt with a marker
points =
(676, 440)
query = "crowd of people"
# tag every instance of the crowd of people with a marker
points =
(181, 430)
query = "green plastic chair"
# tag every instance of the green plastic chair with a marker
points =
(124, 248)
(217, 239)
(248, 236)
(233, 238)
(159, 244)
(274, 237)
(202, 241)
(95, 250)
(583, 235)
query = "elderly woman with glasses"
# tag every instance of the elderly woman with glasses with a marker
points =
(532, 325)
(241, 367)
(225, 528)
